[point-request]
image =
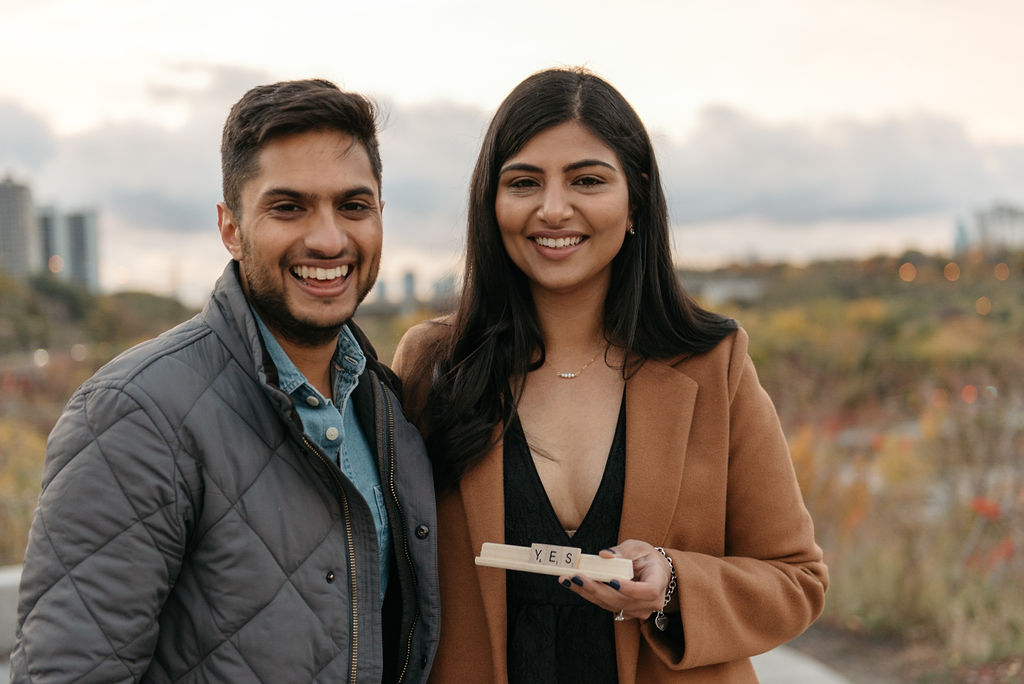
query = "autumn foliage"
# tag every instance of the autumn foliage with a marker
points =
(899, 382)
(904, 402)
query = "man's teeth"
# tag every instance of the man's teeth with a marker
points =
(315, 273)
(558, 243)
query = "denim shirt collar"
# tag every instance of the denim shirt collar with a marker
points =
(348, 358)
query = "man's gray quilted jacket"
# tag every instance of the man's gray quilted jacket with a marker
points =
(188, 532)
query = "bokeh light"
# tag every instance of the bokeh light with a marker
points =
(969, 394)
(41, 357)
(951, 272)
(55, 264)
(983, 306)
(1002, 271)
(908, 272)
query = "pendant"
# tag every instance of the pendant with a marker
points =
(567, 376)
(661, 621)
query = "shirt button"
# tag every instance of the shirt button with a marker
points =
(332, 433)
(312, 401)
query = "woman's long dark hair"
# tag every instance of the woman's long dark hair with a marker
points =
(495, 337)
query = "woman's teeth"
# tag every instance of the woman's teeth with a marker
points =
(558, 243)
(314, 273)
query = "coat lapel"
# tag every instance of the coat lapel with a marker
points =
(659, 410)
(483, 495)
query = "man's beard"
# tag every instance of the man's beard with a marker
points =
(269, 302)
(274, 312)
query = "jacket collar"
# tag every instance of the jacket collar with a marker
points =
(660, 400)
(229, 316)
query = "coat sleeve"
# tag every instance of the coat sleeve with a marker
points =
(413, 363)
(770, 583)
(106, 542)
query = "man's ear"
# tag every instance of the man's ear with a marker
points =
(230, 231)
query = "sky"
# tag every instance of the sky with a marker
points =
(793, 129)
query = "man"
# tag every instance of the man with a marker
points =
(241, 498)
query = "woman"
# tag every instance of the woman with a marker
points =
(578, 397)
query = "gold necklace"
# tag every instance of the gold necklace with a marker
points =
(568, 375)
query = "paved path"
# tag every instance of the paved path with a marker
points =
(785, 665)
(780, 666)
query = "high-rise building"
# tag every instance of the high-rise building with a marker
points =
(69, 245)
(19, 244)
(82, 260)
(52, 239)
(38, 240)
(409, 288)
(995, 228)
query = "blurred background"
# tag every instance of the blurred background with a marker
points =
(845, 178)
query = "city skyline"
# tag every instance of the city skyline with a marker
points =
(38, 239)
(786, 130)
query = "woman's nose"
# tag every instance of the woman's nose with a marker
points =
(556, 206)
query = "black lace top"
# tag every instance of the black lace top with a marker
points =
(554, 636)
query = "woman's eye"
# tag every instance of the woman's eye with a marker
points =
(588, 181)
(520, 183)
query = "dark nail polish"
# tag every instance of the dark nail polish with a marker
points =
(614, 584)
(578, 581)
(608, 550)
(566, 583)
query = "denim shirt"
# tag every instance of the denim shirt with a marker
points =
(335, 429)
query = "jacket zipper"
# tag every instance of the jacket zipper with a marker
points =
(390, 440)
(353, 667)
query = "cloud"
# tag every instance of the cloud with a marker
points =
(734, 181)
(735, 166)
(26, 141)
(428, 153)
(155, 178)
(150, 176)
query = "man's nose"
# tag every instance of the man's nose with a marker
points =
(327, 235)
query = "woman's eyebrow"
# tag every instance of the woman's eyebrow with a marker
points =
(530, 168)
(587, 162)
(521, 166)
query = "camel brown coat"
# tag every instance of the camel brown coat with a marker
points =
(708, 477)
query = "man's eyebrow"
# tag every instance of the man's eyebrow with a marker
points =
(356, 191)
(530, 168)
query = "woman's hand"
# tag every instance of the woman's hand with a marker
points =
(639, 598)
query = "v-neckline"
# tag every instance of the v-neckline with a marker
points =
(541, 492)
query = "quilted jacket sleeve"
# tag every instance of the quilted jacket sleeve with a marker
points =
(106, 542)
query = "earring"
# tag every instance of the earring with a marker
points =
(631, 229)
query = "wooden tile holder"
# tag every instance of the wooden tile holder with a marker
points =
(521, 558)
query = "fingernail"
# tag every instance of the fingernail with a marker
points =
(577, 580)
(566, 583)
(614, 584)
(608, 550)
